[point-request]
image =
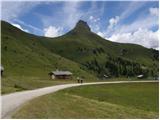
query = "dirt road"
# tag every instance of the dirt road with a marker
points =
(11, 102)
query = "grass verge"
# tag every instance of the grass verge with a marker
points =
(134, 100)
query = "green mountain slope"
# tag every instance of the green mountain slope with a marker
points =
(102, 56)
(81, 51)
(23, 54)
(27, 62)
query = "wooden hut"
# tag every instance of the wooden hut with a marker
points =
(60, 74)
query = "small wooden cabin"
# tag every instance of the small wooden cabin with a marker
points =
(60, 74)
(140, 76)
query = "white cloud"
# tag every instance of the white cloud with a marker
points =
(71, 13)
(67, 15)
(145, 23)
(90, 17)
(154, 11)
(52, 31)
(95, 9)
(132, 7)
(93, 19)
(11, 10)
(113, 22)
(142, 37)
(28, 25)
(18, 26)
(138, 32)
(101, 34)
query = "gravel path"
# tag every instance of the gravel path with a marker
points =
(11, 102)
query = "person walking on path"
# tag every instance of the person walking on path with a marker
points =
(81, 80)
(78, 79)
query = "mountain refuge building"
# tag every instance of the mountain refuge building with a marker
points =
(60, 74)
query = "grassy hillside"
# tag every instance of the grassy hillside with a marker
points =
(28, 59)
(95, 53)
(134, 100)
(27, 62)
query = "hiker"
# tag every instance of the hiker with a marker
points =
(81, 80)
(2, 70)
(78, 80)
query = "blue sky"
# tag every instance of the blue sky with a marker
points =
(118, 21)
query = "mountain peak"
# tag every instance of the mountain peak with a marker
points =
(82, 26)
(82, 22)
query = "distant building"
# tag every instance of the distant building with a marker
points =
(106, 76)
(60, 74)
(140, 76)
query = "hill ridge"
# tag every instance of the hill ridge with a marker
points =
(94, 54)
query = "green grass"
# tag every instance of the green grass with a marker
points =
(137, 95)
(27, 59)
(27, 62)
(14, 84)
(134, 100)
(21, 83)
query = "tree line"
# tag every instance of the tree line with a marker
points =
(118, 66)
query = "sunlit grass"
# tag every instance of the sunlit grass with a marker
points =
(134, 100)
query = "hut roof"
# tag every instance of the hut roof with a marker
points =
(140, 76)
(61, 72)
(106, 76)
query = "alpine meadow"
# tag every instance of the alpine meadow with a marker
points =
(80, 60)
(81, 51)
